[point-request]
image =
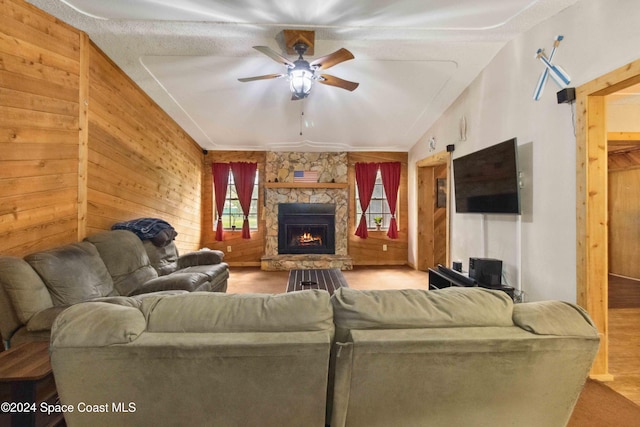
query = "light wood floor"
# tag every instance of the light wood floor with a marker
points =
(624, 337)
(252, 279)
(624, 323)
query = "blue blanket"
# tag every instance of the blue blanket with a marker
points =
(144, 228)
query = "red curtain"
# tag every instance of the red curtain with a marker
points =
(244, 175)
(220, 181)
(390, 172)
(365, 179)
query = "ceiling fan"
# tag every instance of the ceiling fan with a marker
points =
(302, 73)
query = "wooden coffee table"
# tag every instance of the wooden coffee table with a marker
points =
(327, 279)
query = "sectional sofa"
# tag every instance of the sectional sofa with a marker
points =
(451, 357)
(107, 266)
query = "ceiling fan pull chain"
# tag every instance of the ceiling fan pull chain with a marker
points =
(301, 115)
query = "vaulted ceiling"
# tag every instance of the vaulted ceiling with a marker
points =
(413, 58)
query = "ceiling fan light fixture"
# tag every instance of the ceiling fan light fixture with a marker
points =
(302, 73)
(300, 82)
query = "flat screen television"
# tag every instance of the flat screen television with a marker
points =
(486, 181)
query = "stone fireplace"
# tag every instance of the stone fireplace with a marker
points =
(306, 228)
(331, 189)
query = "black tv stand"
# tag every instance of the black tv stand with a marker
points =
(444, 277)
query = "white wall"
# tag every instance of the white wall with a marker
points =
(538, 248)
(624, 117)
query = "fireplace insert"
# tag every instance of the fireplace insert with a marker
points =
(306, 228)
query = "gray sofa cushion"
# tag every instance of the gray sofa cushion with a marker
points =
(97, 324)
(163, 258)
(307, 310)
(176, 281)
(25, 289)
(72, 273)
(9, 321)
(127, 261)
(166, 259)
(418, 308)
(554, 318)
(201, 257)
(43, 320)
(210, 270)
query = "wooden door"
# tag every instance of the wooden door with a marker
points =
(433, 211)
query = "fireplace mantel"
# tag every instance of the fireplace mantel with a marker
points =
(338, 185)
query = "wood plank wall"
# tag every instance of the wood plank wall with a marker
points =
(244, 252)
(369, 251)
(624, 228)
(61, 179)
(141, 163)
(624, 202)
(39, 84)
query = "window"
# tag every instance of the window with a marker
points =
(232, 214)
(378, 207)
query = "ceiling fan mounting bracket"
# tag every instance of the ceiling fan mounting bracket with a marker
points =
(301, 49)
(295, 37)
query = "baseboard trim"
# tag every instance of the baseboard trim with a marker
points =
(601, 377)
(244, 264)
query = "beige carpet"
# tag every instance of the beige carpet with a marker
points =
(600, 406)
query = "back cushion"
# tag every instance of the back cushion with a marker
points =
(25, 289)
(163, 258)
(416, 308)
(307, 310)
(72, 273)
(127, 261)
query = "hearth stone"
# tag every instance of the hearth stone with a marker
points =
(280, 166)
(306, 261)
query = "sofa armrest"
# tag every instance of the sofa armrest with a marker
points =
(554, 318)
(203, 257)
(43, 320)
(97, 324)
(176, 281)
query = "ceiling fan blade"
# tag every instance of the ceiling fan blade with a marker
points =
(338, 82)
(274, 55)
(266, 76)
(332, 59)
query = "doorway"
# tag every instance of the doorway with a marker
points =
(592, 266)
(434, 177)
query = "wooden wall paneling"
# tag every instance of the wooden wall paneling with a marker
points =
(426, 209)
(39, 80)
(433, 221)
(83, 135)
(28, 23)
(597, 235)
(59, 183)
(141, 163)
(208, 210)
(624, 227)
(624, 150)
(244, 252)
(370, 251)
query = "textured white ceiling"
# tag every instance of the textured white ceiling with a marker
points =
(412, 59)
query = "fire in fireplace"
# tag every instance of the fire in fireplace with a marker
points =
(308, 239)
(306, 228)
